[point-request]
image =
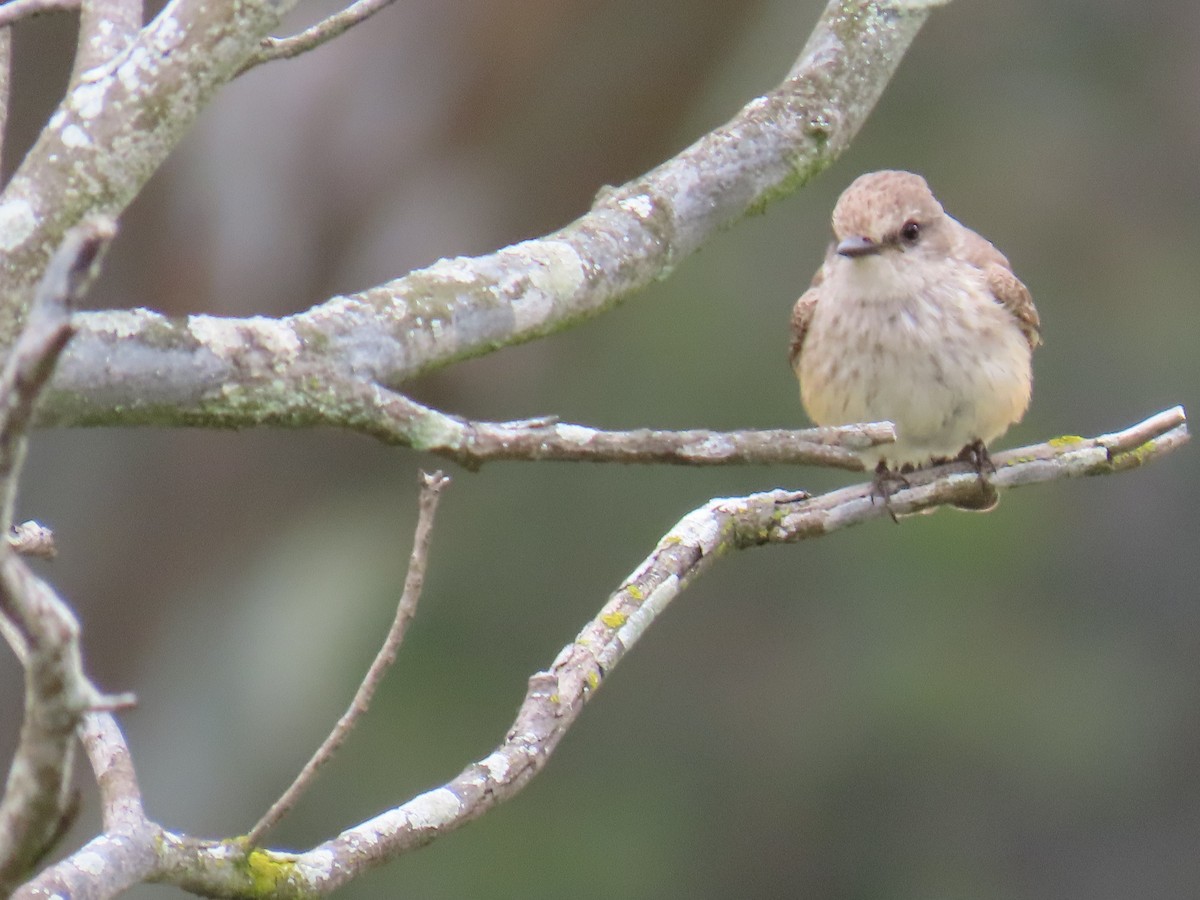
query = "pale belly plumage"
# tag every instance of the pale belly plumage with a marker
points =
(946, 365)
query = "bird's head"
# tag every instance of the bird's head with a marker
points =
(889, 214)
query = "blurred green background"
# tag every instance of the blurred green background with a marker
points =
(960, 707)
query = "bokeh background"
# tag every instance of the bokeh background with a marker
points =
(960, 707)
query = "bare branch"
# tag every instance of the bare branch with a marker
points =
(115, 127)
(31, 362)
(41, 629)
(273, 48)
(138, 366)
(344, 401)
(15, 10)
(431, 492)
(128, 848)
(33, 539)
(557, 696)
(262, 371)
(106, 28)
(1121, 445)
(36, 794)
(833, 446)
(112, 765)
(5, 82)
(105, 866)
(394, 417)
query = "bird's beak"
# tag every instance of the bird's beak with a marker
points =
(857, 245)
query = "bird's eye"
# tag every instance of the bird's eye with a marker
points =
(910, 231)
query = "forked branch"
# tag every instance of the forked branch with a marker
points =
(40, 628)
(556, 696)
(326, 30)
(138, 367)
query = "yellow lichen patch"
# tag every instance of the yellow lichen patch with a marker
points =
(267, 871)
(1135, 456)
(614, 619)
(635, 592)
(593, 680)
(1065, 440)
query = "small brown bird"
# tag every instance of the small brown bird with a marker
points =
(916, 319)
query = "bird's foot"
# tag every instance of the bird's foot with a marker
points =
(976, 453)
(885, 483)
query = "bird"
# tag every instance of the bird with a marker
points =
(915, 319)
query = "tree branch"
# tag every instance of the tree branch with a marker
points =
(112, 764)
(105, 866)
(33, 539)
(273, 48)
(337, 400)
(5, 82)
(128, 847)
(556, 696)
(332, 365)
(431, 493)
(140, 366)
(40, 627)
(106, 28)
(113, 130)
(481, 442)
(31, 362)
(395, 418)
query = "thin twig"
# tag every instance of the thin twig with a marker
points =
(15, 10)
(273, 48)
(1130, 439)
(556, 696)
(431, 492)
(32, 360)
(832, 446)
(112, 764)
(42, 630)
(393, 416)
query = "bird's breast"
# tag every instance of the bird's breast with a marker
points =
(939, 357)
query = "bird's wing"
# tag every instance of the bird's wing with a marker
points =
(1004, 285)
(1014, 296)
(802, 315)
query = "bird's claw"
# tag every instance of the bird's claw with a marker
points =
(885, 483)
